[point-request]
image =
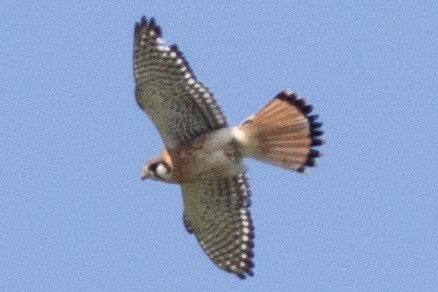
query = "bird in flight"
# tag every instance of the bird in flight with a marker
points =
(204, 155)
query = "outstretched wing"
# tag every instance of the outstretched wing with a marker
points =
(168, 91)
(216, 211)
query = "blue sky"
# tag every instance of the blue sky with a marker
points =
(75, 216)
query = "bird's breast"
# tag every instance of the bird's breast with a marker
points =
(214, 154)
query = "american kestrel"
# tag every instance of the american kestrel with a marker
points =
(204, 155)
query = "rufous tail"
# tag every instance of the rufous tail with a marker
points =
(283, 133)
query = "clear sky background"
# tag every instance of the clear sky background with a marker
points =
(75, 216)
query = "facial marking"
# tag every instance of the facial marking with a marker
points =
(159, 171)
(162, 171)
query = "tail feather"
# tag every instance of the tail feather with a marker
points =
(283, 133)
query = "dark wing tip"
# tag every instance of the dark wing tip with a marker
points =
(142, 27)
(142, 30)
(142, 39)
(314, 126)
(243, 275)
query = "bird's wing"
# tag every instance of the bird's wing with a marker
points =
(168, 91)
(216, 211)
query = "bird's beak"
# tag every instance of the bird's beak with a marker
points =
(145, 174)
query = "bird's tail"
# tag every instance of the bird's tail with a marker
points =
(282, 133)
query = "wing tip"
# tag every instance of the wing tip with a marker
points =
(245, 274)
(246, 271)
(143, 26)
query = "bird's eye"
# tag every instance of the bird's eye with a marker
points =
(153, 167)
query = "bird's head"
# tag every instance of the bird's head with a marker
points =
(158, 168)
